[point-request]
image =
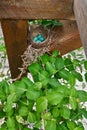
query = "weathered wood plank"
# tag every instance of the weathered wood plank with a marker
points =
(15, 33)
(80, 9)
(7, 2)
(68, 38)
(36, 9)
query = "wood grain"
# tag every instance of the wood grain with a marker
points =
(15, 33)
(36, 9)
(80, 10)
(7, 2)
(68, 38)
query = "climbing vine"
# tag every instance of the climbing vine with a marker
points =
(50, 101)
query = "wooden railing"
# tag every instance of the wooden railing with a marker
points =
(36, 9)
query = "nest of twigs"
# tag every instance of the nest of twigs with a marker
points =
(35, 49)
(34, 31)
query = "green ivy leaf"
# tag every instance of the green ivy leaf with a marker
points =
(3, 127)
(45, 82)
(34, 68)
(64, 74)
(63, 126)
(30, 105)
(46, 23)
(2, 48)
(73, 92)
(55, 54)
(31, 117)
(83, 112)
(27, 82)
(55, 112)
(72, 80)
(50, 68)
(54, 83)
(23, 111)
(19, 119)
(76, 62)
(59, 63)
(37, 86)
(11, 88)
(10, 100)
(82, 95)
(54, 97)
(65, 113)
(2, 94)
(10, 122)
(11, 129)
(57, 23)
(38, 124)
(85, 76)
(10, 112)
(51, 125)
(46, 116)
(79, 128)
(5, 87)
(73, 102)
(2, 113)
(20, 88)
(32, 94)
(52, 59)
(43, 75)
(41, 104)
(77, 75)
(64, 90)
(8, 107)
(85, 64)
(68, 63)
(71, 125)
(44, 58)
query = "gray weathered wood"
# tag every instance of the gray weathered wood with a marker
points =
(80, 10)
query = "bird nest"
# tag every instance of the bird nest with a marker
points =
(37, 33)
(35, 49)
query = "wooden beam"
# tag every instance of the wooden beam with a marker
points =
(36, 9)
(67, 38)
(80, 10)
(15, 34)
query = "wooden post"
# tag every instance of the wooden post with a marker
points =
(80, 10)
(15, 34)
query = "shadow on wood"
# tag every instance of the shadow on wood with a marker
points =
(15, 34)
(67, 38)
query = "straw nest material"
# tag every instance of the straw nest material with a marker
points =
(34, 50)
(34, 31)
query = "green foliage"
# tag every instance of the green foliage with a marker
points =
(46, 23)
(3, 60)
(51, 99)
(51, 125)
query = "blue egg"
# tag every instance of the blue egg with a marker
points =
(38, 41)
(35, 39)
(39, 38)
(40, 35)
(42, 39)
